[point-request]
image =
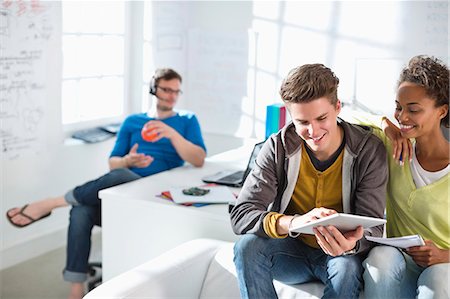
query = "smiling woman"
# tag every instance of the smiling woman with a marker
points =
(417, 201)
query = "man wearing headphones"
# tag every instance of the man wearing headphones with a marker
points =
(175, 137)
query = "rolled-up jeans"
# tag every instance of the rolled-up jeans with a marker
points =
(390, 273)
(85, 213)
(260, 260)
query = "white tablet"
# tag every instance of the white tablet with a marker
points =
(343, 222)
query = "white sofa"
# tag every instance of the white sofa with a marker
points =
(202, 268)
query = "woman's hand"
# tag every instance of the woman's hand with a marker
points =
(401, 147)
(428, 254)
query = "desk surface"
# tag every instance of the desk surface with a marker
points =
(185, 176)
(137, 225)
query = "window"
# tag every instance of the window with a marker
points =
(93, 60)
(148, 66)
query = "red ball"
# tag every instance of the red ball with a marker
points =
(149, 134)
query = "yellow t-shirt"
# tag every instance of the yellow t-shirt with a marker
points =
(313, 189)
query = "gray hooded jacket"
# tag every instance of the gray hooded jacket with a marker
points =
(270, 185)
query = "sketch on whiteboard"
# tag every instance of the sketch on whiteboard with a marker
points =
(169, 23)
(26, 31)
(4, 26)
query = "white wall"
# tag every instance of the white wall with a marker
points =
(51, 173)
(364, 42)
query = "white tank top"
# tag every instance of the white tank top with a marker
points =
(422, 177)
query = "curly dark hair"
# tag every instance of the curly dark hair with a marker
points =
(309, 82)
(433, 75)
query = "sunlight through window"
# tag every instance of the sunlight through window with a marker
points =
(93, 60)
(147, 57)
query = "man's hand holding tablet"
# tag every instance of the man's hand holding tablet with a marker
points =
(336, 233)
(343, 222)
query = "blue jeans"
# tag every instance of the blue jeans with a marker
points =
(85, 213)
(390, 273)
(259, 260)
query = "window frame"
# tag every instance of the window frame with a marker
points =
(129, 24)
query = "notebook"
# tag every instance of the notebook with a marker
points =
(235, 178)
(92, 135)
(401, 242)
(97, 134)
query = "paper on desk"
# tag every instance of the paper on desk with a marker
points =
(401, 242)
(168, 196)
(217, 194)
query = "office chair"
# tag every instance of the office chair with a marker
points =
(94, 280)
(95, 268)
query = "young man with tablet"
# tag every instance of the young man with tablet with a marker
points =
(316, 166)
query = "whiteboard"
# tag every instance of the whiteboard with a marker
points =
(29, 51)
(217, 78)
(425, 28)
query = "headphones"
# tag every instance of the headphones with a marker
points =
(153, 86)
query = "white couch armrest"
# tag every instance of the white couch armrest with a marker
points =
(177, 273)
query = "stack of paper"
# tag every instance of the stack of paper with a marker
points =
(168, 196)
(401, 242)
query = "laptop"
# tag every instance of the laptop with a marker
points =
(235, 178)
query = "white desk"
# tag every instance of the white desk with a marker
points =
(138, 226)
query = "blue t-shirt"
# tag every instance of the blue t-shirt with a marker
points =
(164, 154)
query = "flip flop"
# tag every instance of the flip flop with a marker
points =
(21, 212)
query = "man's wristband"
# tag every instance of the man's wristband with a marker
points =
(291, 234)
(350, 252)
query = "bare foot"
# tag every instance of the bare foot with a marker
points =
(76, 290)
(35, 210)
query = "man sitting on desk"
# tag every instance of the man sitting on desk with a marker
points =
(175, 138)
